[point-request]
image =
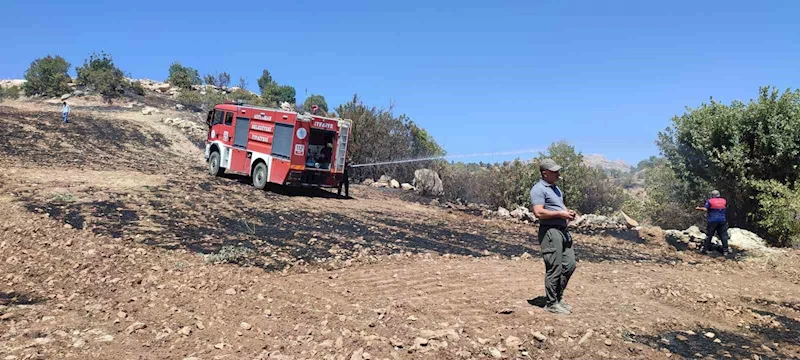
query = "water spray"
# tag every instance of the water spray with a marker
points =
(515, 152)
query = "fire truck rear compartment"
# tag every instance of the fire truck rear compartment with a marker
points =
(317, 141)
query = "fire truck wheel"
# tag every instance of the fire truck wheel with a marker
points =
(260, 175)
(213, 164)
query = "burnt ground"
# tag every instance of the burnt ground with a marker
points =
(106, 226)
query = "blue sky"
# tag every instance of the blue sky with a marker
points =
(481, 76)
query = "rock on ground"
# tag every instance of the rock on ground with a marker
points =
(599, 222)
(738, 239)
(629, 221)
(522, 213)
(149, 111)
(428, 182)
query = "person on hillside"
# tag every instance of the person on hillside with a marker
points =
(717, 222)
(345, 181)
(65, 112)
(556, 242)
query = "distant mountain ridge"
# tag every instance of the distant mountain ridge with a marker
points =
(601, 162)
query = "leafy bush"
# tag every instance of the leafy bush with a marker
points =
(601, 194)
(47, 76)
(183, 77)
(137, 88)
(265, 81)
(318, 100)
(664, 201)
(209, 79)
(220, 80)
(204, 102)
(63, 198)
(245, 96)
(197, 101)
(585, 189)
(232, 255)
(11, 92)
(272, 94)
(779, 211)
(223, 79)
(99, 73)
(377, 135)
(286, 93)
(733, 148)
(242, 83)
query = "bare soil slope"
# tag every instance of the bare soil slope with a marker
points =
(116, 244)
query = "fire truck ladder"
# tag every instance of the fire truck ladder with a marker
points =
(341, 148)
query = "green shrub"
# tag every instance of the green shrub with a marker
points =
(318, 100)
(285, 93)
(585, 189)
(635, 206)
(47, 76)
(242, 83)
(778, 211)
(222, 79)
(664, 201)
(12, 92)
(601, 195)
(99, 74)
(183, 76)
(232, 255)
(730, 147)
(191, 99)
(63, 198)
(197, 101)
(245, 96)
(378, 135)
(209, 79)
(137, 88)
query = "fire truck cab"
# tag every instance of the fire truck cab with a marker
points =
(276, 146)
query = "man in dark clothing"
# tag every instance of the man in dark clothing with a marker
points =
(556, 242)
(717, 222)
(345, 181)
(326, 154)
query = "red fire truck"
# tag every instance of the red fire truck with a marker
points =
(276, 146)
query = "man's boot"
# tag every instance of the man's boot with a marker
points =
(564, 305)
(555, 308)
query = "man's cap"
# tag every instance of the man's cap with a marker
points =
(715, 193)
(549, 164)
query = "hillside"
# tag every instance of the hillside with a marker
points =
(116, 243)
(601, 162)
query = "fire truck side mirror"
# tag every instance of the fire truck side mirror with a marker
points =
(208, 118)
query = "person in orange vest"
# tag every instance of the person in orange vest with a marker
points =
(717, 222)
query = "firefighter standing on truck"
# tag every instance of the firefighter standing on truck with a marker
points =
(556, 242)
(717, 222)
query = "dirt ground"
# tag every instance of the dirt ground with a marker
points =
(116, 244)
